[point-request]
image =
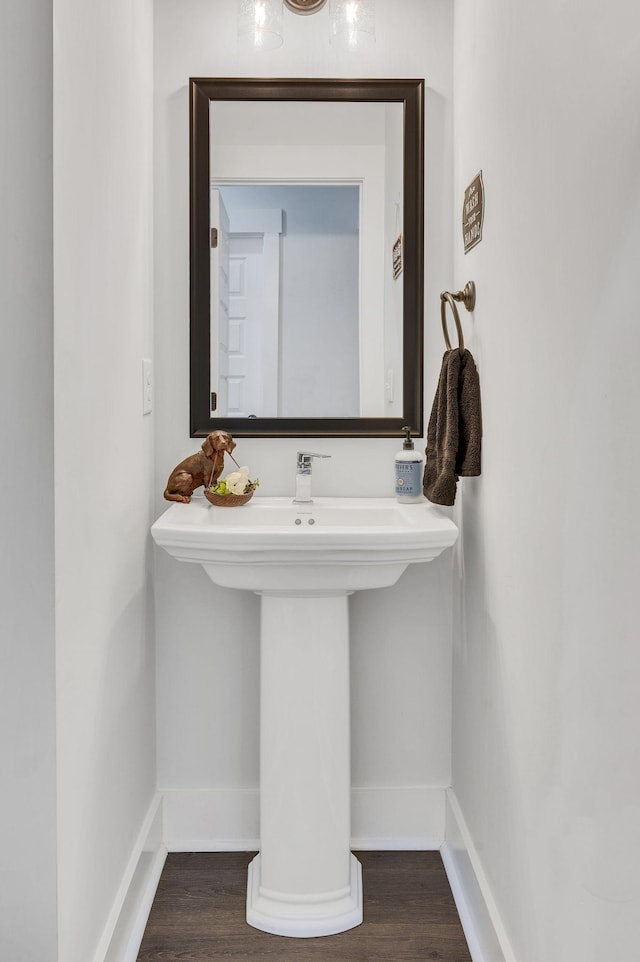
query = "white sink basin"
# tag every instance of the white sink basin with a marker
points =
(333, 543)
(304, 560)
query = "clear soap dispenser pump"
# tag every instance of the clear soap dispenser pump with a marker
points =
(409, 471)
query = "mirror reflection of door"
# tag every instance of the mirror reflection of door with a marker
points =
(243, 374)
(293, 346)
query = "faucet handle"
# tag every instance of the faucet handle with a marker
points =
(305, 458)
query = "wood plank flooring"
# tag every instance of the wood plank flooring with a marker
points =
(198, 915)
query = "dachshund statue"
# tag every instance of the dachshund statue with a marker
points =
(204, 467)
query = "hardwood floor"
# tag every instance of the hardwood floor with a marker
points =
(198, 915)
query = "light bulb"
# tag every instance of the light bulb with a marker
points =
(260, 23)
(353, 22)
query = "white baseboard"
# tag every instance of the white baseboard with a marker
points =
(225, 820)
(383, 819)
(397, 819)
(126, 923)
(228, 820)
(483, 928)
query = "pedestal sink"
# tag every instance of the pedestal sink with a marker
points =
(304, 561)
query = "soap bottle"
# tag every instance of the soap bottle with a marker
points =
(409, 471)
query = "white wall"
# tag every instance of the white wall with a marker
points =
(103, 461)
(207, 652)
(27, 676)
(546, 663)
(319, 324)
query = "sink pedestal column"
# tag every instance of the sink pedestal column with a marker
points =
(305, 882)
(305, 561)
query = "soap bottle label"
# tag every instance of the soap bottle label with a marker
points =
(408, 478)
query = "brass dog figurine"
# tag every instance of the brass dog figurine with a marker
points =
(204, 467)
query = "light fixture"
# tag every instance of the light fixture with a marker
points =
(353, 22)
(304, 6)
(260, 23)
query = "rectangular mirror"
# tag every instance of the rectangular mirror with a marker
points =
(306, 257)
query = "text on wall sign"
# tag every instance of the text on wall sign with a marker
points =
(473, 213)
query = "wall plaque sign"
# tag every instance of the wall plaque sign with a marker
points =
(473, 213)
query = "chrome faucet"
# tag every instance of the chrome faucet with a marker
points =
(303, 476)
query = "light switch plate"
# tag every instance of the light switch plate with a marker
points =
(147, 386)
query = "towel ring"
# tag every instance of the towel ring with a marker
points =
(468, 297)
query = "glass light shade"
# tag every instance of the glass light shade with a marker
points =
(260, 23)
(353, 22)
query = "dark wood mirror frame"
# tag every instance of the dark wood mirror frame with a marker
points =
(410, 93)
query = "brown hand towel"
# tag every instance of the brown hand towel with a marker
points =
(454, 434)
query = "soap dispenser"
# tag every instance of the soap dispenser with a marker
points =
(409, 471)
